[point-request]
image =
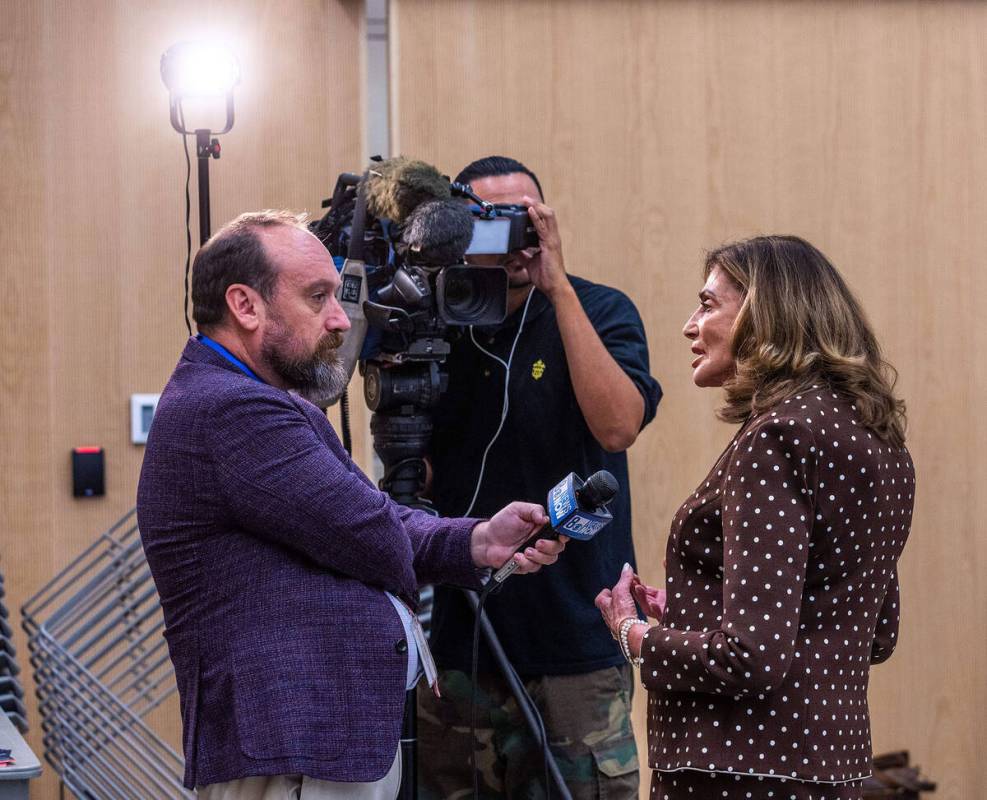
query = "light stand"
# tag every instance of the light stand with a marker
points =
(204, 149)
(197, 69)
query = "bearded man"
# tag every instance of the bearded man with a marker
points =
(288, 581)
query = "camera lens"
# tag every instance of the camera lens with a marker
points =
(461, 299)
(472, 295)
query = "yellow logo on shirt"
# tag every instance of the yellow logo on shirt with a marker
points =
(538, 369)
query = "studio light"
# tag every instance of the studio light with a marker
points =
(199, 70)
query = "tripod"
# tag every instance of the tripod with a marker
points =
(401, 434)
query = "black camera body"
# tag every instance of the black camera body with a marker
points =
(416, 273)
(401, 242)
(407, 297)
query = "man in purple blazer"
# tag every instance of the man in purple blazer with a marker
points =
(287, 579)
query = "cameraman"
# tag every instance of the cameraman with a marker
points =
(575, 359)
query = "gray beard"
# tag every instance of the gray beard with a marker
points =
(320, 379)
(327, 384)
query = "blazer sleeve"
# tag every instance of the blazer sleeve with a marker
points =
(886, 633)
(767, 516)
(282, 483)
(442, 548)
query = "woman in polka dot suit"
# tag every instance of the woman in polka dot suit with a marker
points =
(781, 582)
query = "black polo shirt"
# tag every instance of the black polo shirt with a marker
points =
(547, 622)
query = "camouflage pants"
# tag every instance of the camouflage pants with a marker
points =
(587, 718)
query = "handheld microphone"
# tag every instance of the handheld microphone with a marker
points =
(576, 508)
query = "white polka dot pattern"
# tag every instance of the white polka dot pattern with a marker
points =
(782, 591)
(690, 784)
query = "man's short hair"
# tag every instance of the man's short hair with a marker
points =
(496, 165)
(235, 254)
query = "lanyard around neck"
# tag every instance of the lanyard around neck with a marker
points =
(218, 348)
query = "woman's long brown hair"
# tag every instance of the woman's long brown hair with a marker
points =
(798, 324)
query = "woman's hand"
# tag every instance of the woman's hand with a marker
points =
(650, 598)
(617, 604)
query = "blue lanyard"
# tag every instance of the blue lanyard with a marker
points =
(217, 347)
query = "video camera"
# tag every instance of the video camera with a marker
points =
(400, 234)
(398, 226)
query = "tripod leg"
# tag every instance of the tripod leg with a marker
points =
(409, 747)
(524, 701)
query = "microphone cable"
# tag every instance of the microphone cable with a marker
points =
(506, 406)
(478, 611)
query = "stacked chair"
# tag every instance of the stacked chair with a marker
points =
(18, 765)
(101, 666)
(11, 693)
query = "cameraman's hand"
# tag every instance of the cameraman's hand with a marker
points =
(495, 540)
(546, 267)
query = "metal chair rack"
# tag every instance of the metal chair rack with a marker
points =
(11, 693)
(101, 667)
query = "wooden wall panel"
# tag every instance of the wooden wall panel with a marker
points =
(92, 240)
(661, 129)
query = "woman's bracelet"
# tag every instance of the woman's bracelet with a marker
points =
(625, 627)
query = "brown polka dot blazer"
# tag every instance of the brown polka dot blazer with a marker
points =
(782, 591)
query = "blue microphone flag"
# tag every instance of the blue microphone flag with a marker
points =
(565, 515)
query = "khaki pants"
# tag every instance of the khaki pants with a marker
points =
(301, 787)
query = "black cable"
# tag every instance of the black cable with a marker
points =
(188, 214)
(522, 697)
(473, 688)
(344, 422)
(536, 713)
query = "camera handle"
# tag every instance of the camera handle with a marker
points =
(465, 190)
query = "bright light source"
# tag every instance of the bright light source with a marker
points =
(197, 69)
